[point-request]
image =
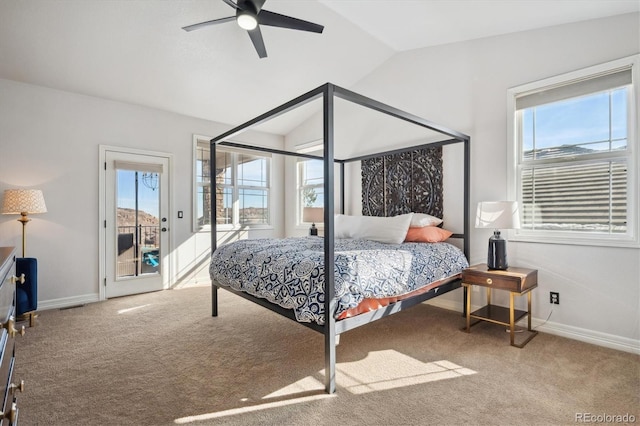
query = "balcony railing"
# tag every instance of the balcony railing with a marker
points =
(138, 250)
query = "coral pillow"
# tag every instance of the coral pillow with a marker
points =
(427, 234)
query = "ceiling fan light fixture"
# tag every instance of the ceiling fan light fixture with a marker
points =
(249, 15)
(247, 20)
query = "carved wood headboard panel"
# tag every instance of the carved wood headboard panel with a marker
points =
(403, 183)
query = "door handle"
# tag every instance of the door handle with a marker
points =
(164, 229)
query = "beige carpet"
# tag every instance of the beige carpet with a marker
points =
(161, 359)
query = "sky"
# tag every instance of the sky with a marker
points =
(148, 199)
(582, 121)
(314, 176)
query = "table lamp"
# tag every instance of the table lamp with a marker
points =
(497, 215)
(313, 215)
(23, 202)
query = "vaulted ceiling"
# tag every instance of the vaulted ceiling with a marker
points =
(135, 50)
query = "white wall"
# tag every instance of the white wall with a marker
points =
(464, 86)
(50, 139)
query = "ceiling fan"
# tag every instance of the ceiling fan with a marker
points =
(250, 15)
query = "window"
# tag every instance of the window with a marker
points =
(575, 156)
(310, 186)
(242, 178)
(202, 191)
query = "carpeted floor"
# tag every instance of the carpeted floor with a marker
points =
(161, 359)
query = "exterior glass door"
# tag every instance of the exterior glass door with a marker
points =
(137, 223)
(136, 213)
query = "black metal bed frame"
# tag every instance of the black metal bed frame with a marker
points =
(332, 327)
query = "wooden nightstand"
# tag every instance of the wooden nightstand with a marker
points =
(517, 281)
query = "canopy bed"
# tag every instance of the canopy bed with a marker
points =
(386, 276)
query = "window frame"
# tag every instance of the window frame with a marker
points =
(299, 188)
(235, 153)
(203, 142)
(515, 151)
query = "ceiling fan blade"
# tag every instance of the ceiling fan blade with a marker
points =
(207, 23)
(232, 4)
(276, 20)
(258, 42)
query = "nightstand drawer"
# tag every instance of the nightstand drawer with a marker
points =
(513, 279)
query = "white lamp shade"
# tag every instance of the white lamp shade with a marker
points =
(19, 201)
(498, 215)
(313, 214)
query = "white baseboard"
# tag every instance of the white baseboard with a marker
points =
(452, 305)
(576, 333)
(589, 336)
(68, 302)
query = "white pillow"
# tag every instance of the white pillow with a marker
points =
(391, 230)
(344, 225)
(420, 220)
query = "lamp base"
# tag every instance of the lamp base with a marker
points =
(24, 220)
(497, 255)
(313, 230)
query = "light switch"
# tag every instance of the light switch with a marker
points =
(180, 214)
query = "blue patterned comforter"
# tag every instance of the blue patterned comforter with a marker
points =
(290, 271)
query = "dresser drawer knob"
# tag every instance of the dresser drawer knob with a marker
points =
(11, 327)
(13, 387)
(489, 281)
(11, 414)
(19, 279)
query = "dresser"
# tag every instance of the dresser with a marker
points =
(8, 388)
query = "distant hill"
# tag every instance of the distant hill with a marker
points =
(127, 217)
(558, 151)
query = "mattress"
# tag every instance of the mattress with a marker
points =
(290, 271)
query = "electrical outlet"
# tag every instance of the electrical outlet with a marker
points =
(554, 298)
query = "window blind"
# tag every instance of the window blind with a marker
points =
(579, 87)
(576, 197)
(138, 167)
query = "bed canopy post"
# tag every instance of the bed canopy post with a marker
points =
(467, 201)
(342, 187)
(213, 221)
(329, 277)
(467, 205)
